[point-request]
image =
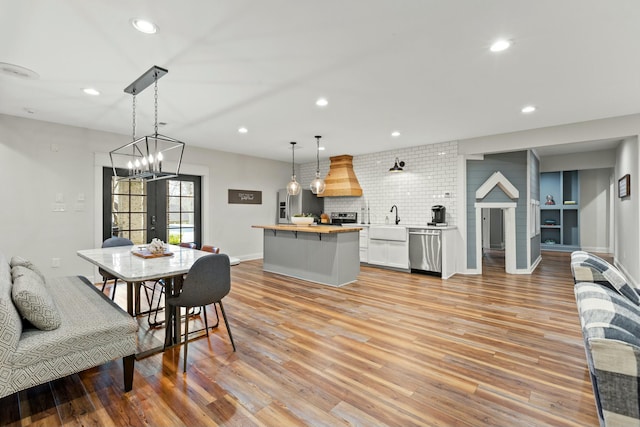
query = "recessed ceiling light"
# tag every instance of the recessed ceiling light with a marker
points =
(243, 129)
(500, 45)
(322, 102)
(91, 91)
(528, 109)
(395, 134)
(144, 26)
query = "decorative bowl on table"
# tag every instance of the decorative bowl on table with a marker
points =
(302, 220)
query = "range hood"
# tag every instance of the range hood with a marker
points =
(341, 179)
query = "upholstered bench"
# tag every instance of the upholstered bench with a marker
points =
(609, 310)
(57, 327)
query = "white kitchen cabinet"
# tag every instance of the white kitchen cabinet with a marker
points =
(378, 252)
(364, 244)
(389, 253)
(398, 254)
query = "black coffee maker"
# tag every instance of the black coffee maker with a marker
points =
(438, 215)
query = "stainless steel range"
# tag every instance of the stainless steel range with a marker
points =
(339, 218)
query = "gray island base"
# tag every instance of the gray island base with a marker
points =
(321, 254)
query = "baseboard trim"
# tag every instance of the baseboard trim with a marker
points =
(601, 250)
(250, 257)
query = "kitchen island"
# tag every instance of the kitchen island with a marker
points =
(318, 253)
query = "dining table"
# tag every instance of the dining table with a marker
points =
(134, 265)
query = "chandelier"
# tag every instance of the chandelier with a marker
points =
(150, 157)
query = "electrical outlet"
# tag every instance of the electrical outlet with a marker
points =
(55, 262)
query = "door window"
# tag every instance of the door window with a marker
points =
(168, 209)
(181, 211)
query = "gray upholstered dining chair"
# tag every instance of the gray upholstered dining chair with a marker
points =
(160, 284)
(112, 242)
(208, 281)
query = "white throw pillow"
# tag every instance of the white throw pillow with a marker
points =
(19, 261)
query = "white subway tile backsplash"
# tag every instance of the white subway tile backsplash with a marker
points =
(429, 178)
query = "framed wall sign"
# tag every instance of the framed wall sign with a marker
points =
(245, 197)
(624, 186)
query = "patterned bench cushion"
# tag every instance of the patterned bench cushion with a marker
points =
(89, 321)
(587, 267)
(611, 331)
(10, 323)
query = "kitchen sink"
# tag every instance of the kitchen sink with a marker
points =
(388, 232)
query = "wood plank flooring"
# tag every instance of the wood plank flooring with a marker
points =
(392, 349)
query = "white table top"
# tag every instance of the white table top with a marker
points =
(120, 262)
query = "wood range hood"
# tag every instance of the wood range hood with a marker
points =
(341, 180)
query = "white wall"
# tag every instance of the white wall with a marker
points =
(40, 160)
(627, 212)
(230, 224)
(579, 161)
(594, 130)
(429, 178)
(595, 212)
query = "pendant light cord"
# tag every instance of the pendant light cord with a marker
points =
(318, 156)
(293, 158)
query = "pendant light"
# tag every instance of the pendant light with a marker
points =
(317, 185)
(293, 187)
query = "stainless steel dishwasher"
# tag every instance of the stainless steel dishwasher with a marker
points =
(425, 251)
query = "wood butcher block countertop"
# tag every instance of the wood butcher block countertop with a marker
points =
(322, 229)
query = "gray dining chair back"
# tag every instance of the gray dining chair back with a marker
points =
(208, 282)
(112, 242)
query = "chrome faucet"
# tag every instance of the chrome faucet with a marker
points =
(397, 217)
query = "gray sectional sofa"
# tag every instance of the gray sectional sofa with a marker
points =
(57, 327)
(609, 311)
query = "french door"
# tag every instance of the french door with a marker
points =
(167, 209)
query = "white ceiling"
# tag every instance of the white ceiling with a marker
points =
(418, 66)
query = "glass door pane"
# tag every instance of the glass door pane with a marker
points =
(139, 210)
(181, 211)
(125, 209)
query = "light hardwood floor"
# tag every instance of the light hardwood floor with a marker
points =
(392, 349)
